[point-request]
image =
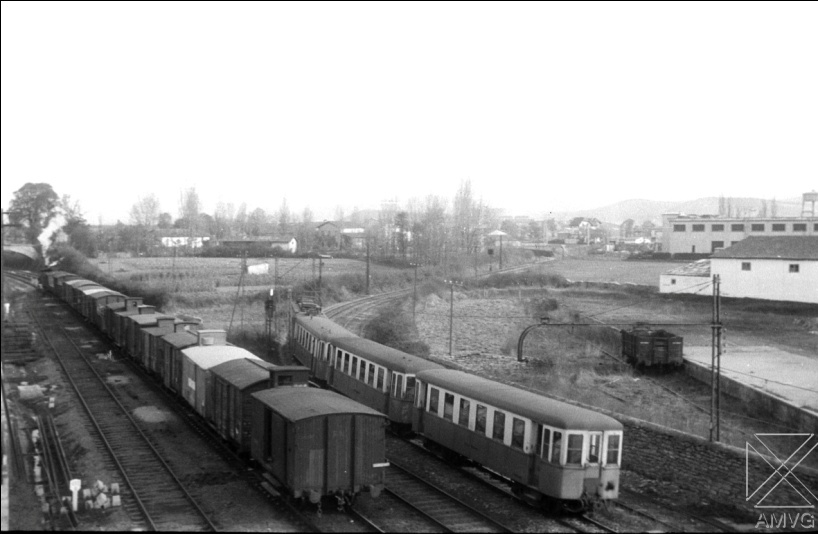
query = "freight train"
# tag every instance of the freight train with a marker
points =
(316, 443)
(549, 451)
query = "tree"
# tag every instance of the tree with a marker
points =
(77, 229)
(284, 217)
(33, 207)
(189, 210)
(165, 221)
(402, 228)
(626, 229)
(145, 212)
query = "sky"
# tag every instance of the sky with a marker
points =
(543, 107)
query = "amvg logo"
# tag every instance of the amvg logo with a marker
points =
(782, 489)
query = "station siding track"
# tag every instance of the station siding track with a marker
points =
(444, 509)
(159, 498)
(354, 314)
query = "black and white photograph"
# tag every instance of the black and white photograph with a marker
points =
(409, 266)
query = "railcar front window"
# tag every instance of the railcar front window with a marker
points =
(545, 443)
(463, 418)
(499, 430)
(517, 433)
(612, 456)
(574, 452)
(448, 406)
(593, 448)
(434, 395)
(556, 448)
(480, 421)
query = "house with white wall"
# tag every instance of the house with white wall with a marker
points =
(769, 267)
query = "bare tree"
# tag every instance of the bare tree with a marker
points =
(145, 212)
(284, 217)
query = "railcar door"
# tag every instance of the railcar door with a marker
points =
(593, 467)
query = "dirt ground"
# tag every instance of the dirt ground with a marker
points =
(566, 361)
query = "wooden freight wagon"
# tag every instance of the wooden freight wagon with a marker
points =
(642, 346)
(318, 443)
(231, 385)
(117, 316)
(172, 346)
(196, 364)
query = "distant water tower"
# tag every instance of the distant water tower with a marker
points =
(812, 198)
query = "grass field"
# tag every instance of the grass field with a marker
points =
(610, 270)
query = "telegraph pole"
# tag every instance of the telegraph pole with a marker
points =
(451, 283)
(415, 298)
(715, 363)
(367, 265)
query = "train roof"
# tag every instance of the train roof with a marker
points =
(206, 357)
(322, 327)
(102, 293)
(243, 372)
(181, 340)
(393, 359)
(535, 407)
(79, 282)
(148, 318)
(299, 403)
(157, 331)
(59, 275)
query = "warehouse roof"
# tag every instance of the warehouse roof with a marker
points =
(772, 247)
(697, 268)
(298, 403)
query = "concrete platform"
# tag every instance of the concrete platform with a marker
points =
(783, 383)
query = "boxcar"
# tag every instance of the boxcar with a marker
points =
(544, 446)
(118, 316)
(380, 377)
(318, 443)
(196, 364)
(313, 337)
(94, 302)
(172, 345)
(231, 385)
(642, 346)
(71, 290)
(147, 318)
(149, 345)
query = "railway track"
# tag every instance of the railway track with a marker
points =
(443, 509)
(355, 314)
(153, 496)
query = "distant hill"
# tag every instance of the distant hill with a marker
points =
(641, 210)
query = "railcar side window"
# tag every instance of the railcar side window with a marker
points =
(463, 419)
(499, 430)
(574, 456)
(517, 433)
(480, 421)
(593, 447)
(347, 363)
(448, 406)
(338, 359)
(397, 382)
(410, 387)
(370, 379)
(612, 457)
(364, 372)
(545, 443)
(381, 373)
(556, 448)
(433, 398)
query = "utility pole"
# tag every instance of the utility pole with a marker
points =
(451, 283)
(367, 265)
(415, 298)
(715, 363)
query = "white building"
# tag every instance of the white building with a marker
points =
(766, 267)
(691, 278)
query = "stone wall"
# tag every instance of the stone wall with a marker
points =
(713, 470)
(775, 407)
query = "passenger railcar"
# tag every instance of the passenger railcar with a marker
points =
(313, 335)
(318, 443)
(547, 448)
